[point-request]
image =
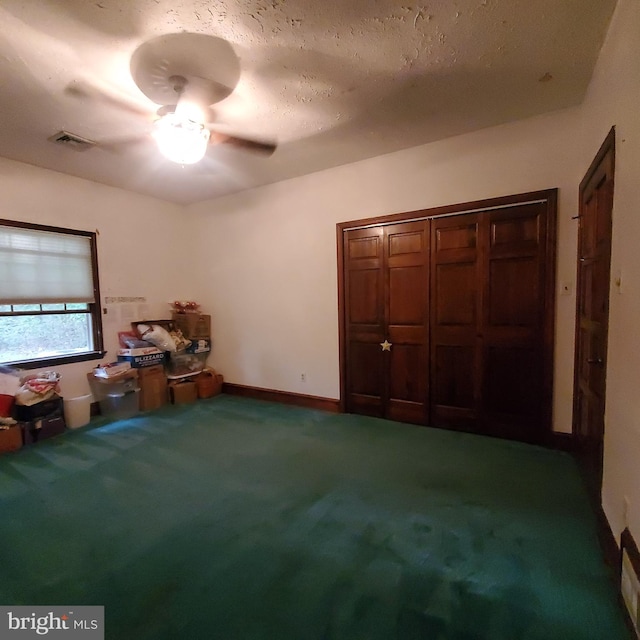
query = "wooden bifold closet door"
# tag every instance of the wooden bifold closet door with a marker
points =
(387, 308)
(448, 321)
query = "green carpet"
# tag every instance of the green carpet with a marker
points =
(239, 519)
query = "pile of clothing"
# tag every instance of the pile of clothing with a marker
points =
(38, 387)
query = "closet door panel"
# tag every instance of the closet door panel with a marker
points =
(367, 379)
(513, 292)
(407, 296)
(455, 297)
(512, 374)
(364, 306)
(407, 383)
(365, 322)
(513, 323)
(454, 386)
(407, 315)
(386, 300)
(454, 322)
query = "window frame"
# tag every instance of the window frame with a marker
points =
(94, 308)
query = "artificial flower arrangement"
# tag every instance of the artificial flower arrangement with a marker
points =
(182, 306)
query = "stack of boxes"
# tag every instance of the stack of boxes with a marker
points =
(144, 378)
(32, 423)
(41, 420)
(148, 362)
(156, 377)
(184, 367)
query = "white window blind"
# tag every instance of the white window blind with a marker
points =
(44, 267)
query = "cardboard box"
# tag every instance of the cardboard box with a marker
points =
(183, 392)
(43, 429)
(141, 357)
(10, 439)
(192, 325)
(154, 391)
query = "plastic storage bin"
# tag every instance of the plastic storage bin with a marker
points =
(189, 362)
(117, 396)
(116, 386)
(184, 364)
(120, 406)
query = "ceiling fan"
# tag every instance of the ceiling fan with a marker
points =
(175, 71)
(182, 131)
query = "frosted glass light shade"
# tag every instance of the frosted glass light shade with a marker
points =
(179, 140)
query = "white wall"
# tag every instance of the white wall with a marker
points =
(270, 279)
(614, 99)
(141, 246)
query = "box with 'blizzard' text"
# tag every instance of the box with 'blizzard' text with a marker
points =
(141, 357)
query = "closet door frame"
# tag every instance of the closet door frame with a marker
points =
(548, 196)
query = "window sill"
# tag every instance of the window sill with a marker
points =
(58, 360)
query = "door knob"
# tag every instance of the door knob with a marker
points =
(386, 345)
(595, 360)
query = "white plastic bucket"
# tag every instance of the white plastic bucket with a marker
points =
(77, 411)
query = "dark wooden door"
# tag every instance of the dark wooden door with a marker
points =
(488, 320)
(592, 312)
(364, 319)
(448, 320)
(456, 340)
(386, 291)
(517, 292)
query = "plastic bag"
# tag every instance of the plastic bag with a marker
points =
(38, 387)
(157, 336)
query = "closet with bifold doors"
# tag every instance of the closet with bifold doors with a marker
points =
(447, 316)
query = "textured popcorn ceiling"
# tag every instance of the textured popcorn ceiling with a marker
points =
(333, 81)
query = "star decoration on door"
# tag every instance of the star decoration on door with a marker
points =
(386, 345)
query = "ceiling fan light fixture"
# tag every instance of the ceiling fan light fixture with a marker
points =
(181, 140)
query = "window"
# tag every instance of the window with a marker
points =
(49, 296)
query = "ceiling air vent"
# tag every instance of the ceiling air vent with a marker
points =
(71, 140)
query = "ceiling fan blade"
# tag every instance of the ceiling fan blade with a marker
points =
(82, 90)
(266, 148)
(120, 145)
(209, 113)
